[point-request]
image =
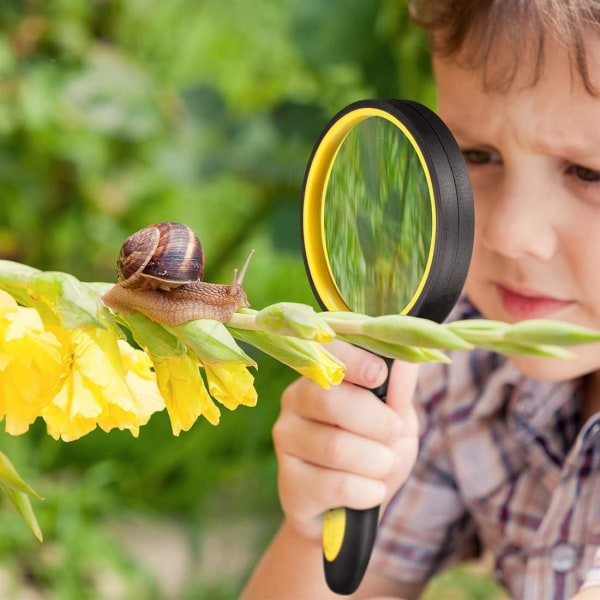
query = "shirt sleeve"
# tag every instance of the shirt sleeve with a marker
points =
(426, 526)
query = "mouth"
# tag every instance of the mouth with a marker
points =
(526, 304)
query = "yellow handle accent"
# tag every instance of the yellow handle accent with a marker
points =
(334, 528)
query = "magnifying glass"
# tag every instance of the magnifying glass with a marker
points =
(387, 228)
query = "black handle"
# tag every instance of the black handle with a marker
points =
(349, 535)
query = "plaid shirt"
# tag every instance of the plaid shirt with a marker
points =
(503, 464)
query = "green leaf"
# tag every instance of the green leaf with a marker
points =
(18, 492)
(16, 274)
(15, 278)
(22, 503)
(11, 479)
(75, 303)
(290, 351)
(211, 342)
(152, 336)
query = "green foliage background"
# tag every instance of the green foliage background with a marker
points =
(116, 114)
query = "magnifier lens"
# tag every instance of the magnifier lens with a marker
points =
(378, 218)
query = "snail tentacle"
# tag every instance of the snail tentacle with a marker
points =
(236, 284)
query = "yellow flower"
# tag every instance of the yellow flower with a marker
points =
(231, 384)
(185, 394)
(95, 391)
(31, 365)
(307, 357)
(141, 381)
(325, 369)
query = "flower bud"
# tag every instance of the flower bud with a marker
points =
(298, 320)
(413, 331)
(550, 331)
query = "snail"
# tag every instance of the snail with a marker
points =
(160, 270)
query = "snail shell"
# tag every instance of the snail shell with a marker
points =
(160, 272)
(163, 255)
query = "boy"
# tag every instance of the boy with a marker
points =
(508, 449)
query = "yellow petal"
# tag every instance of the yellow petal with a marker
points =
(22, 402)
(185, 394)
(32, 366)
(63, 420)
(141, 381)
(22, 321)
(231, 384)
(96, 392)
(7, 303)
(326, 370)
(5, 360)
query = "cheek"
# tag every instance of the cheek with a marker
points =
(580, 249)
(482, 262)
(482, 204)
(480, 214)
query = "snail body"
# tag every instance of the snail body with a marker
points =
(160, 271)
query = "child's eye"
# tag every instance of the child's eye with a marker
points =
(584, 174)
(474, 156)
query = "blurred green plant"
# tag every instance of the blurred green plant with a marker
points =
(118, 113)
(467, 582)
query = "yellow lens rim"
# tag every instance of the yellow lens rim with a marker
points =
(313, 216)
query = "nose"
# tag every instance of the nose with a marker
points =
(516, 219)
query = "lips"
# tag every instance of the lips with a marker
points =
(523, 304)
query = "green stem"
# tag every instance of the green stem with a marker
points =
(339, 326)
(243, 320)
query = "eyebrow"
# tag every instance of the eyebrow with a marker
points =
(463, 135)
(573, 148)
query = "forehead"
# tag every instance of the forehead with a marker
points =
(556, 106)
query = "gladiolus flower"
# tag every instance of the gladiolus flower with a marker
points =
(95, 390)
(185, 394)
(323, 370)
(31, 365)
(231, 384)
(141, 381)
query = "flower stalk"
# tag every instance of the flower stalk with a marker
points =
(80, 365)
(93, 367)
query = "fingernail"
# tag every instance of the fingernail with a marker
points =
(372, 373)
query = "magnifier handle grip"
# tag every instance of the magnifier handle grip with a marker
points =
(349, 535)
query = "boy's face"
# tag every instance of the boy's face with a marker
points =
(533, 154)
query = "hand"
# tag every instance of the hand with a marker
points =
(343, 446)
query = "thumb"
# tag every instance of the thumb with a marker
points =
(401, 389)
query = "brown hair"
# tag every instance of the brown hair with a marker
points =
(473, 30)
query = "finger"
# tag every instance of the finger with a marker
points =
(346, 406)
(327, 489)
(405, 450)
(334, 448)
(362, 367)
(401, 389)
